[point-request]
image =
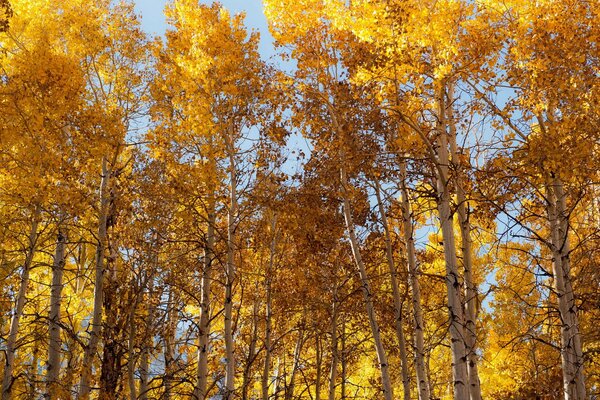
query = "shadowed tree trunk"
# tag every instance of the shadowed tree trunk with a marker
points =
(15, 322)
(55, 344)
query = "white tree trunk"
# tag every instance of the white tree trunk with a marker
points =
(230, 275)
(169, 345)
(395, 294)
(268, 313)
(565, 247)
(131, 356)
(55, 344)
(470, 288)
(415, 288)
(366, 288)
(96, 323)
(204, 329)
(453, 284)
(571, 350)
(11, 342)
(334, 346)
(289, 391)
(251, 357)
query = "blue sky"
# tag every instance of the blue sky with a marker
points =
(153, 19)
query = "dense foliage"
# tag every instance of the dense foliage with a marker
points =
(433, 233)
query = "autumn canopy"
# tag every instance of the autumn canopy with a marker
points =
(403, 204)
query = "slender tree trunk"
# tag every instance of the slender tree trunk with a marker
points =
(131, 356)
(395, 293)
(265, 381)
(415, 288)
(33, 372)
(144, 374)
(247, 378)
(55, 344)
(113, 331)
(563, 214)
(344, 360)
(68, 380)
(96, 323)
(204, 329)
(334, 346)
(319, 362)
(230, 275)
(277, 380)
(470, 288)
(148, 340)
(571, 351)
(169, 346)
(366, 287)
(453, 284)
(289, 392)
(11, 342)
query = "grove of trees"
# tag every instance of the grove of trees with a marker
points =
(406, 206)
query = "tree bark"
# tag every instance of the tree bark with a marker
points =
(268, 312)
(169, 345)
(131, 356)
(11, 342)
(367, 293)
(230, 274)
(453, 284)
(96, 323)
(204, 328)
(395, 294)
(470, 288)
(113, 330)
(55, 344)
(289, 390)
(334, 346)
(318, 364)
(148, 341)
(415, 288)
(247, 378)
(571, 351)
(344, 360)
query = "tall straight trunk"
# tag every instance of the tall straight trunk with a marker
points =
(169, 346)
(33, 371)
(111, 368)
(367, 293)
(289, 391)
(72, 355)
(96, 323)
(247, 378)
(453, 284)
(563, 215)
(395, 294)
(131, 356)
(230, 275)
(334, 347)
(415, 289)
(204, 328)
(319, 363)
(344, 360)
(277, 380)
(268, 312)
(55, 345)
(470, 288)
(144, 373)
(571, 350)
(11, 342)
(148, 340)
